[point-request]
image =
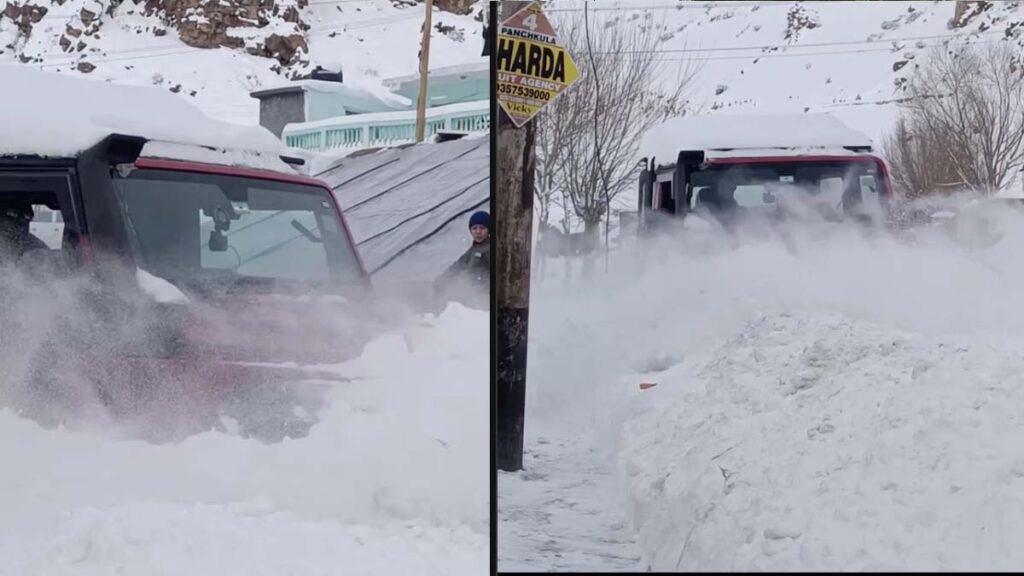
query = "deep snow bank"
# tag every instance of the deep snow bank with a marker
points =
(825, 443)
(393, 480)
(866, 389)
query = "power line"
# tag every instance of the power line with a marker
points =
(365, 24)
(805, 45)
(116, 59)
(148, 52)
(156, 51)
(330, 2)
(152, 51)
(103, 14)
(683, 6)
(785, 54)
(691, 5)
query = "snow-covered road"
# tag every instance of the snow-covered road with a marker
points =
(554, 515)
(393, 480)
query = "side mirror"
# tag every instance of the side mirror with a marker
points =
(218, 241)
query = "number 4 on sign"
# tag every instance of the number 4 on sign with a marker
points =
(531, 22)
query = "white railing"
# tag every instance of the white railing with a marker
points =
(385, 128)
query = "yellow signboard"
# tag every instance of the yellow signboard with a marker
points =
(532, 68)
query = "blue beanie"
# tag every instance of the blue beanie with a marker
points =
(480, 219)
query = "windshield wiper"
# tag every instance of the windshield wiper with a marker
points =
(306, 232)
(270, 250)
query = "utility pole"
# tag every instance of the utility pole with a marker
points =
(421, 103)
(513, 200)
(959, 11)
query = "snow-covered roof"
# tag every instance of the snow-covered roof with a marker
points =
(713, 154)
(242, 158)
(381, 94)
(397, 116)
(760, 132)
(409, 208)
(54, 115)
(442, 72)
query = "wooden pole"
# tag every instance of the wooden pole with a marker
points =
(421, 103)
(513, 201)
(958, 14)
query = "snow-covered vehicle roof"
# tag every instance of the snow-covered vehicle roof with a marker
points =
(52, 115)
(721, 136)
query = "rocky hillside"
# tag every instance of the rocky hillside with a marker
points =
(216, 52)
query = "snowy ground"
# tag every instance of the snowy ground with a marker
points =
(555, 516)
(392, 481)
(839, 402)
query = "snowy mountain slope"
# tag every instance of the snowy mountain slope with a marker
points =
(154, 43)
(393, 480)
(784, 57)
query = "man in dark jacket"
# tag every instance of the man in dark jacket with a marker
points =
(470, 275)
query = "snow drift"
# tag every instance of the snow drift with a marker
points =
(392, 480)
(828, 443)
(830, 400)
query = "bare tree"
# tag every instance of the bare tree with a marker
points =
(917, 160)
(964, 121)
(638, 88)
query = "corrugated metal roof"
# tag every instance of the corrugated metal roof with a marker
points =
(409, 208)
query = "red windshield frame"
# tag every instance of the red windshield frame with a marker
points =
(810, 159)
(256, 174)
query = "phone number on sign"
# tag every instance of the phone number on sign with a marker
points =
(523, 91)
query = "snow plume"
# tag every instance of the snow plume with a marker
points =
(45, 321)
(393, 478)
(826, 398)
(80, 347)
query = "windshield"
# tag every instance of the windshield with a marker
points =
(213, 232)
(835, 190)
